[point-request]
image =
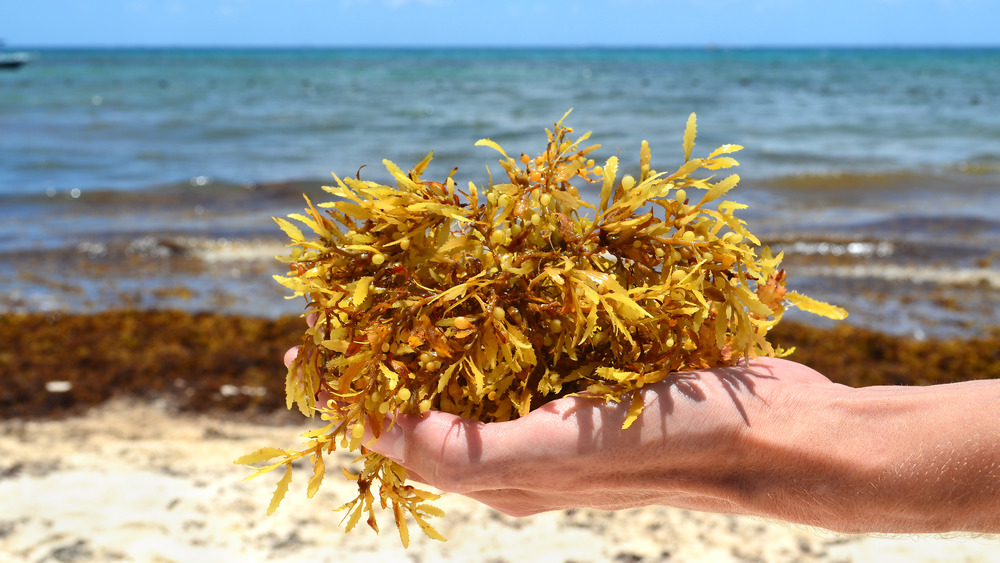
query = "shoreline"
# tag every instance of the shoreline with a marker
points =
(61, 364)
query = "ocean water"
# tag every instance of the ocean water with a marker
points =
(147, 178)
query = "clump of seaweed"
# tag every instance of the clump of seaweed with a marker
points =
(489, 302)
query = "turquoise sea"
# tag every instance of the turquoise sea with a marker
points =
(147, 178)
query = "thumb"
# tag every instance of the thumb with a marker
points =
(442, 448)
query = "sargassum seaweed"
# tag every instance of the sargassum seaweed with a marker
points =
(490, 301)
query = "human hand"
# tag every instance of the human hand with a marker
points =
(769, 438)
(685, 450)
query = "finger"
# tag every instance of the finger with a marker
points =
(311, 319)
(443, 449)
(412, 475)
(290, 355)
(391, 443)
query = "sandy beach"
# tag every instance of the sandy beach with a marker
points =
(141, 332)
(141, 482)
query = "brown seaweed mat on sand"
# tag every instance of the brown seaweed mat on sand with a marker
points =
(61, 364)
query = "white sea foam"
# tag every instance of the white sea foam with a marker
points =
(857, 249)
(229, 250)
(907, 273)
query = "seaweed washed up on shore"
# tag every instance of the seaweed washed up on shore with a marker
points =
(62, 364)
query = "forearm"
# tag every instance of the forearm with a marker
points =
(880, 459)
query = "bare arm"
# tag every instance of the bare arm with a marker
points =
(901, 459)
(772, 439)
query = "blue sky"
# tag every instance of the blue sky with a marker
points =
(46, 23)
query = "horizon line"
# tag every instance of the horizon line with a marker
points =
(554, 47)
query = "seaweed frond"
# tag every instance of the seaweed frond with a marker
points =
(490, 302)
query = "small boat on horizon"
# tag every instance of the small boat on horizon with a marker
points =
(13, 61)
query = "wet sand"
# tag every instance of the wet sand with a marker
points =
(139, 481)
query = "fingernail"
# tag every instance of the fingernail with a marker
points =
(290, 355)
(391, 444)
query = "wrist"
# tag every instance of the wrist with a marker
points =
(878, 459)
(810, 456)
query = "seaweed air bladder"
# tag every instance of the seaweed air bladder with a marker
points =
(488, 301)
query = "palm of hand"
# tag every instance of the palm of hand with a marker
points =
(683, 451)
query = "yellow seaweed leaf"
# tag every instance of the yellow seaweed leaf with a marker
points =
(356, 510)
(717, 163)
(291, 230)
(644, 158)
(300, 387)
(430, 509)
(427, 529)
(263, 454)
(404, 532)
(720, 189)
(634, 410)
(361, 290)
(725, 149)
(266, 469)
(319, 431)
(615, 374)
(319, 470)
(401, 178)
(490, 143)
(421, 166)
(610, 169)
(689, 133)
(810, 305)
(308, 222)
(728, 207)
(591, 327)
(280, 490)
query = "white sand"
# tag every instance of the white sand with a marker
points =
(138, 483)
